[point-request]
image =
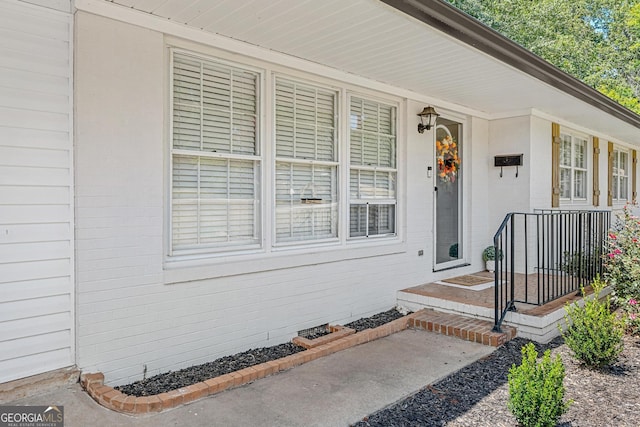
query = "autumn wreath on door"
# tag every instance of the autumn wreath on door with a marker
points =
(448, 159)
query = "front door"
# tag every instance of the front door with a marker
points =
(449, 248)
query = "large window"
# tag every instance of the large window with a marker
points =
(373, 170)
(620, 184)
(332, 161)
(573, 167)
(215, 177)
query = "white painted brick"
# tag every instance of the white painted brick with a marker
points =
(127, 317)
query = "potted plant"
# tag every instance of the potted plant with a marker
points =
(489, 257)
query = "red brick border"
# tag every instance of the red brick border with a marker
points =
(337, 332)
(466, 328)
(341, 339)
(447, 324)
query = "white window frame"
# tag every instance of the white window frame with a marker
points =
(308, 206)
(256, 158)
(371, 201)
(181, 266)
(572, 168)
(617, 177)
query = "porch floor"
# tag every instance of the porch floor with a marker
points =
(532, 321)
(486, 297)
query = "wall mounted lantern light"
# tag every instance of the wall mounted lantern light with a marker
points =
(428, 118)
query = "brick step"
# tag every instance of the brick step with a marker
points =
(466, 328)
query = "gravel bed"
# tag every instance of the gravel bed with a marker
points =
(375, 320)
(177, 379)
(185, 377)
(477, 395)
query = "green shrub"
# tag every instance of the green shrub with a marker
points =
(536, 390)
(593, 333)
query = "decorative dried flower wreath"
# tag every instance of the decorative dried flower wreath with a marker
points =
(448, 160)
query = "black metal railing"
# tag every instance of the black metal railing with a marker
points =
(547, 254)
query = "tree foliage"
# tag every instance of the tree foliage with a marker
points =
(596, 41)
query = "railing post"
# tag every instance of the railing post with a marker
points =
(512, 250)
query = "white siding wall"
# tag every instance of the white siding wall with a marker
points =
(129, 314)
(36, 192)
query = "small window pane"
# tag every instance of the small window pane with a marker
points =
(372, 135)
(623, 163)
(216, 131)
(624, 188)
(186, 127)
(306, 202)
(214, 107)
(381, 219)
(565, 151)
(355, 147)
(387, 152)
(580, 184)
(358, 221)
(565, 183)
(580, 151)
(370, 220)
(305, 122)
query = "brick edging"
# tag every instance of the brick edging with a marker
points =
(466, 328)
(113, 399)
(337, 332)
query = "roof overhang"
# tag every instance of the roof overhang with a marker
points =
(426, 49)
(463, 27)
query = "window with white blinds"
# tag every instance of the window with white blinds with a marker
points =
(306, 194)
(620, 175)
(215, 162)
(573, 167)
(373, 169)
(325, 190)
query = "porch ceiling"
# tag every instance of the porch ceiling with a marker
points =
(371, 39)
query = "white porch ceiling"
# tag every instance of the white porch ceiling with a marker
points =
(373, 40)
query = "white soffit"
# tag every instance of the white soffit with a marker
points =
(373, 40)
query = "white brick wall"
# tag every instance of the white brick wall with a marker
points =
(127, 316)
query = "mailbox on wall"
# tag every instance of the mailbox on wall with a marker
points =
(504, 160)
(508, 160)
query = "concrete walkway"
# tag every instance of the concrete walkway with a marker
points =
(336, 390)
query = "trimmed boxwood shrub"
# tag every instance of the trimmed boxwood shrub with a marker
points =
(594, 334)
(536, 390)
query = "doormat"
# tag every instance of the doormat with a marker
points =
(469, 280)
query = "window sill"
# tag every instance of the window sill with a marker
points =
(188, 270)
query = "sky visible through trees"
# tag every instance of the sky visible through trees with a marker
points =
(596, 41)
